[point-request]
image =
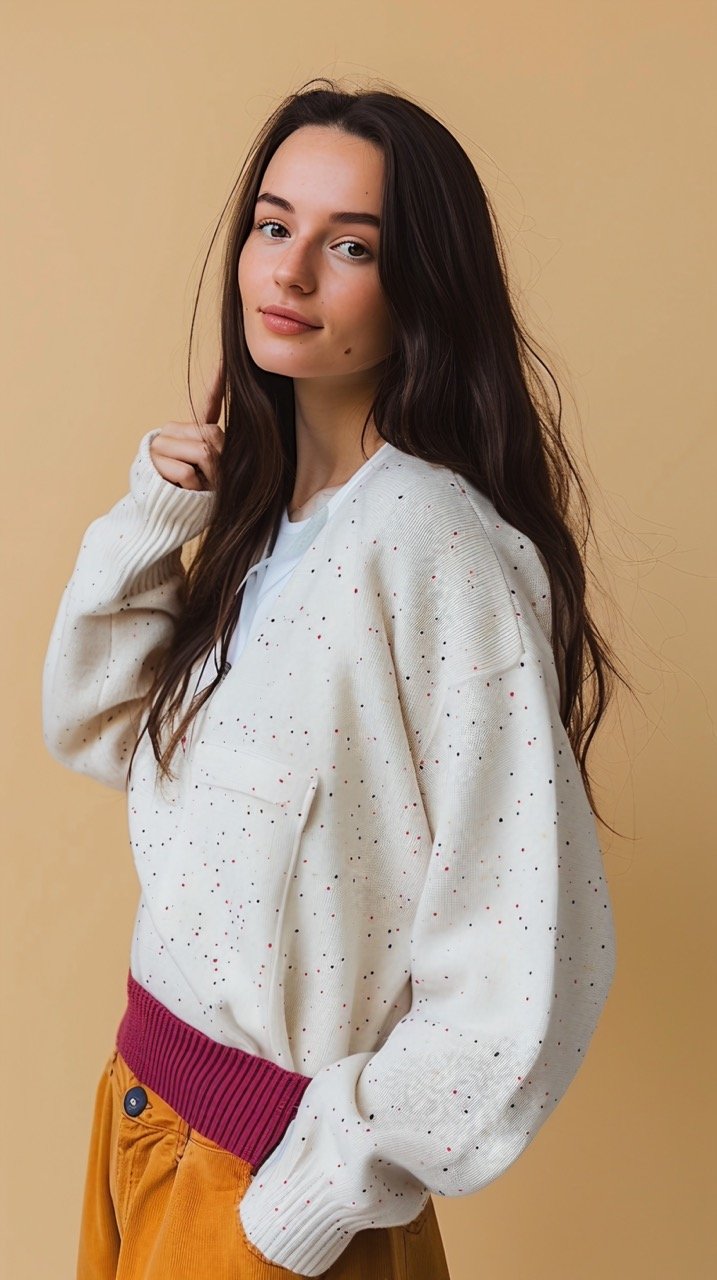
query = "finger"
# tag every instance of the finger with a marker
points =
(214, 397)
(186, 475)
(183, 452)
(206, 455)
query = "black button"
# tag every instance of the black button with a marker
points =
(135, 1101)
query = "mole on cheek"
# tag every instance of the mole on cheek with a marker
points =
(347, 352)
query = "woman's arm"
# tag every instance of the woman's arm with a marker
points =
(116, 613)
(512, 958)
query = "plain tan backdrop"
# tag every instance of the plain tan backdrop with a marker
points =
(125, 127)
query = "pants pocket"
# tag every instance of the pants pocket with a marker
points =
(262, 1268)
(146, 1143)
(424, 1255)
(410, 1252)
(418, 1223)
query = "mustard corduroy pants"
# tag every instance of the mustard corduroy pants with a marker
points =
(160, 1203)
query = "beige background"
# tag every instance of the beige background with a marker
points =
(124, 129)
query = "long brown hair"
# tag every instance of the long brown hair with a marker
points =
(459, 388)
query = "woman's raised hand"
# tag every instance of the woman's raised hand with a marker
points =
(181, 455)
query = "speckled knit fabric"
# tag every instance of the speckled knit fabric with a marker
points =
(377, 866)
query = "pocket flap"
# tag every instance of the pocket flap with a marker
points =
(266, 777)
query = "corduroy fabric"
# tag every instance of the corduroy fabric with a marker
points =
(161, 1203)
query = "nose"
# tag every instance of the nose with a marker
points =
(294, 267)
(135, 1100)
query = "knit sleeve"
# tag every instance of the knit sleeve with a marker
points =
(512, 957)
(116, 613)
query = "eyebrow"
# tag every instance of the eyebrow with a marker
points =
(367, 219)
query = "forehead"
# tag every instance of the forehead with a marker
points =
(317, 166)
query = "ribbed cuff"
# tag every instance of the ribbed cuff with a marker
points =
(318, 1187)
(141, 538)
(302, 1221)
(180, 513)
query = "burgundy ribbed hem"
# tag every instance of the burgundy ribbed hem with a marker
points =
(236, 1099)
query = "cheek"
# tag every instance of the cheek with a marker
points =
(367, 313)
(241, 272)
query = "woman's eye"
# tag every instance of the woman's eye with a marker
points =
(269, 222)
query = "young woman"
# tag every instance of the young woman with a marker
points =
(374, 936)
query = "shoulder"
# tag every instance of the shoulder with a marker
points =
(435, 534)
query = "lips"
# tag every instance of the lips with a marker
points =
(290, 315)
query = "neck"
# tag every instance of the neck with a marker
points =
(329, 417)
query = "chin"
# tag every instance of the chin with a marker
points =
(284, 368)
(289, 366)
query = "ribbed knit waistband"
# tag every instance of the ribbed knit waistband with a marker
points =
(242, 1102)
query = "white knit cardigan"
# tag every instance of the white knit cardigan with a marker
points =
(378, 865)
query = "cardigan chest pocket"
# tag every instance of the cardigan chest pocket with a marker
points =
(247, 810)
(225, 882)
(262, 777)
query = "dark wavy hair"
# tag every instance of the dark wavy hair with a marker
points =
(458, 389)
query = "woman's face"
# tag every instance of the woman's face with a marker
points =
(325, 270)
